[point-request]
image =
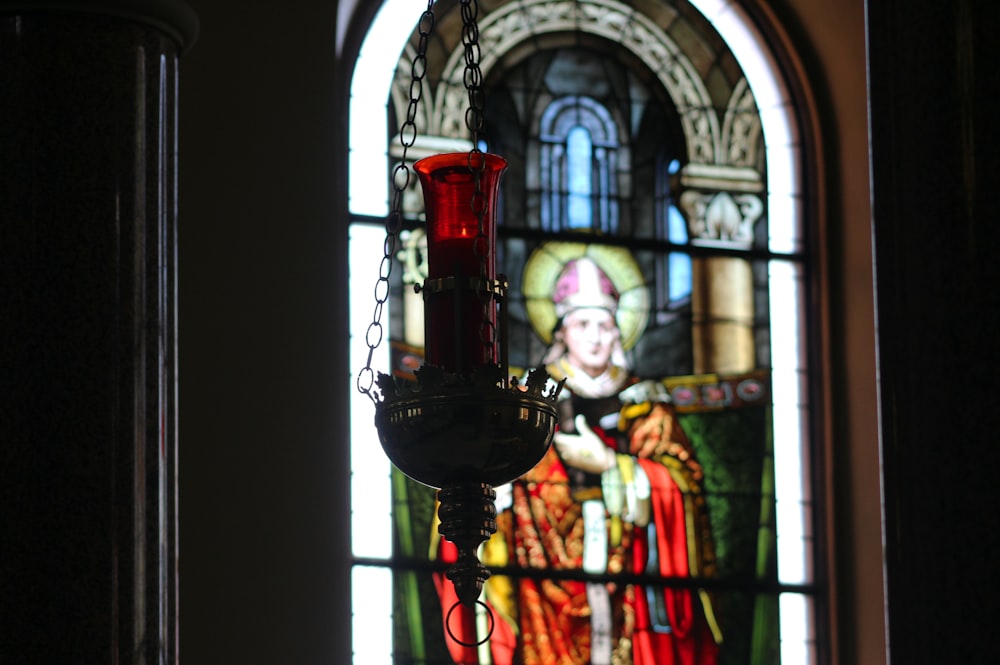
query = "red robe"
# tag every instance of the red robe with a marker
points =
(548, 621)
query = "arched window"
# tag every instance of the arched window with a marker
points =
(652, 200)
(578, 166)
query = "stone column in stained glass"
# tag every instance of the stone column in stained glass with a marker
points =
(722, 315)
(722, 286)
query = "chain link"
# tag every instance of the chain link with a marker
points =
(401, 175)
(474, 121)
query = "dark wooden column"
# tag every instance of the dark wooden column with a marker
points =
(934, 86)
(88, 441)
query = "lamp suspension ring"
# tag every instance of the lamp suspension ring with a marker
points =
(489, 631)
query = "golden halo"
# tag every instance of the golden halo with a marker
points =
(546, 263)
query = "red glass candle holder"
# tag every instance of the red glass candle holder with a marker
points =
(454, 312)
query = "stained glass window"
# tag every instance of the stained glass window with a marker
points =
(651, 233)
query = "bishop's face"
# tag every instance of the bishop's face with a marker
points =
(590, 335)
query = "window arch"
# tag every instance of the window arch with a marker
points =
(578, 165)
(708, 209)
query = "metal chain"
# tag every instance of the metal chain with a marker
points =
(473, 75)
(401, 174)
(474, 121)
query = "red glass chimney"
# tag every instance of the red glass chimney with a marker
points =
(454, 311)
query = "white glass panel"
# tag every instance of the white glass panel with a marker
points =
(781, 131)
(371, 509)
(783, 214)
(791, 433)
(751, 51)
(371, 621)
(369, 166)
(783, 176)
(798, 638)
(710, 8)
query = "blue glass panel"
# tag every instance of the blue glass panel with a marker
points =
(579, 174)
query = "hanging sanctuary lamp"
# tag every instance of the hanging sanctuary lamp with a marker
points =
(464, 426)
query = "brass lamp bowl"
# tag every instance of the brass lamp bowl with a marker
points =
(448, 429)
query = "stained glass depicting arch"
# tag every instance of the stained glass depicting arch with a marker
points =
(651, 201)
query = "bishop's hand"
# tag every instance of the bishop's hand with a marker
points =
(584, 450)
